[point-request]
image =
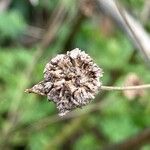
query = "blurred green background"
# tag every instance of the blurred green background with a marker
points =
(31, 33)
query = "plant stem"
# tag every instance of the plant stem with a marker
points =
(112, 88)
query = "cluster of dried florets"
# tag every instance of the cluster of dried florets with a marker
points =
(70, 80)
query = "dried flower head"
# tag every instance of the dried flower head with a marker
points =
(70, 80)
(133, 79)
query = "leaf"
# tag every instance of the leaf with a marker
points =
(11, 24)
(117, 128)
(87, 141)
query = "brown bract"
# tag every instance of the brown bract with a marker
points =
(70, 80)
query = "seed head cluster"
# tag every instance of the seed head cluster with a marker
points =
(70, 80)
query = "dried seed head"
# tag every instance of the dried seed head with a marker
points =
(133, 79)
(70, 80)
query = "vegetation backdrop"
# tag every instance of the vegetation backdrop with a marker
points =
(34, 31)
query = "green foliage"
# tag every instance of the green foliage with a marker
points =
(11, 25)
(37, 141)
(136, 4)
(117, 128)
(48, 4)
(103, 49)
(87, 142)
(36, 123)
(12, 64)
(146, 147)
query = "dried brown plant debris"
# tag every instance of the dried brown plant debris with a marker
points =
(70, 80)
(133, 79)
(87, 7)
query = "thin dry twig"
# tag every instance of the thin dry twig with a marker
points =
(54, 24)
(110, 8)
(107, 88)
(34, 32)
(4, 4)
(131, 28)
(113, 88)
